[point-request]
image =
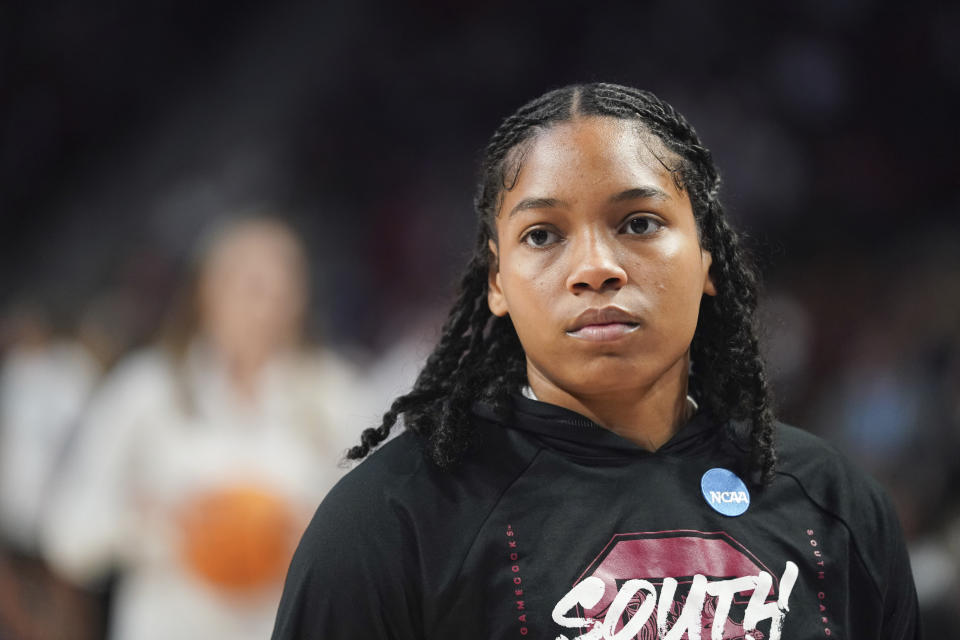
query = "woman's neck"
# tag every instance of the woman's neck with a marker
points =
(649, 415)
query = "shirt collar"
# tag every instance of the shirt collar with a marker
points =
(569, 431)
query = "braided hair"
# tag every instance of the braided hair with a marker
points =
(479, 356)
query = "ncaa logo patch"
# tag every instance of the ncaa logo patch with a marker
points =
(725, 492)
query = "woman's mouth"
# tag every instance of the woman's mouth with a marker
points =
(603, 325)
(604, 332)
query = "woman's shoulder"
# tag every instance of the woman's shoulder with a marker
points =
(822, 469)
(383, 524)
(858, 503)
(139, 381)
(398, 497)
(387, 471)
(402, 474)
(846, 494)
(142, 366)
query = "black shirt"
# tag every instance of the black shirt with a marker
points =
(558, 528)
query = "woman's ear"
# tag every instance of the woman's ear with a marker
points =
(495, 298)
(708, 287)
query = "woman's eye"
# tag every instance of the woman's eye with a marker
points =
(540, 237)
(641, 225)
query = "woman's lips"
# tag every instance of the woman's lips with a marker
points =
(603, 325)
(604, 332)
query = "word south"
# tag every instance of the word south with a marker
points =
(588, 592)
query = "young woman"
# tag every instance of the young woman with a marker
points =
(200, 460)
(590, 450)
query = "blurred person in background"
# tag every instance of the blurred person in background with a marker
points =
(46, 377)
(201, 459)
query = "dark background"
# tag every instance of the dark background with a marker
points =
(127, 128)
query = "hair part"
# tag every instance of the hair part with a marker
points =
(480, 351)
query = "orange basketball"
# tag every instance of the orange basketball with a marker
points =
(238, 538)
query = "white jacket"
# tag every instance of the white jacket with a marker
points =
(142, 464)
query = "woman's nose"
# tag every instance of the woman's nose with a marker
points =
(595, 265)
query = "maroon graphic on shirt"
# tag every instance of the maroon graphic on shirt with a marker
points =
(673, 563)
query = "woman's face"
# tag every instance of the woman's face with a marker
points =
(253, 293)
(598, 260)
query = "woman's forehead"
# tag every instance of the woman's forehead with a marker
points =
(591, 156)
(253, 241)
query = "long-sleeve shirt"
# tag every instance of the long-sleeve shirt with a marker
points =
(557, 528)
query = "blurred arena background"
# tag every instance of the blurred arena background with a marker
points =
(130, 130)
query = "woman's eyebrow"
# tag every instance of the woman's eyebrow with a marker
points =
(536, 203)
(637, 193)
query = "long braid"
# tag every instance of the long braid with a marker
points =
(479, 355)
(734, 385)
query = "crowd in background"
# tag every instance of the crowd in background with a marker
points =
(176, 362)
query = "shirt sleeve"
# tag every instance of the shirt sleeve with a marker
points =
(90, 525)
(901, 610)
(355, 572)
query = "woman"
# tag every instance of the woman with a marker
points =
(199, 461)
(591, 451)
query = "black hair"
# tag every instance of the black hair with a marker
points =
(479, 356)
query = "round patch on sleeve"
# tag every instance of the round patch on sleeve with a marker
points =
(725, 492)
